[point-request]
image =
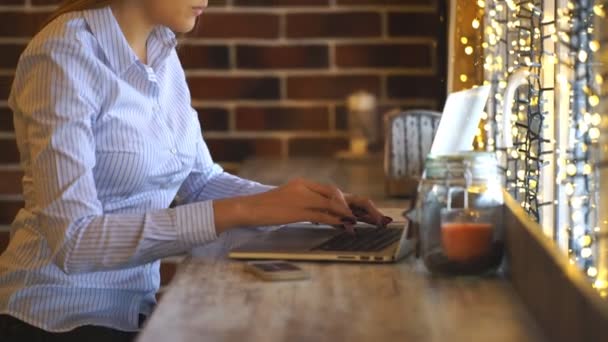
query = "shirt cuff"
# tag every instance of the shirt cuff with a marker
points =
(195, 223)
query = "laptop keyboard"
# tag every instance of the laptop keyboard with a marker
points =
(365, 240)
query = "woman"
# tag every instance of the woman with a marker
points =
(108, 139)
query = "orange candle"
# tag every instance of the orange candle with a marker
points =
(464, 241)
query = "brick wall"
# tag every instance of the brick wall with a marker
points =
(269, 77)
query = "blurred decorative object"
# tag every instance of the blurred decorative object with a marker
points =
(409, 137)
(601, 171)
(363, 122)
(579, 143)
(555, 136)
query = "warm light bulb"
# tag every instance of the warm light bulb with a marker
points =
(594, 100)
(594, 133)
(587, 169)
(475, 23)
(468, 50)
(596, 119)
(594, 45)
(599, 11)
(582, 56)
(463, 78)
(585, 240)
(586, 252)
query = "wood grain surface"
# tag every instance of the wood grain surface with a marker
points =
(214, 299)
(218, 301)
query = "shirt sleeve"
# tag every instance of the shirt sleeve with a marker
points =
(208, 181)
(56, 98)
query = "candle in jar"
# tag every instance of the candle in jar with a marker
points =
(464, 241)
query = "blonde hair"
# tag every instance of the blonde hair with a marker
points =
(68, 6)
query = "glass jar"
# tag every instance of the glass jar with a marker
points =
(460, 210)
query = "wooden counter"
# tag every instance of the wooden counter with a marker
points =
(213, 299)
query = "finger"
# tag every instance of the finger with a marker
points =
(317, 201)
(314, 201)
(323, 217)
(329, 191)
(374, 216)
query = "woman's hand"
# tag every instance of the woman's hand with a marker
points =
(297, 201)
(366, 211)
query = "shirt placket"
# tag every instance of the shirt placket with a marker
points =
(159, 115)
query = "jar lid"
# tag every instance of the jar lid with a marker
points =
(482, 165)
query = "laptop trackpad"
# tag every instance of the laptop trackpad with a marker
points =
(288, 239)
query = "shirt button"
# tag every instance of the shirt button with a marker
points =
(174, 151)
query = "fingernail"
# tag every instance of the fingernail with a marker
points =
(386, 220)
(349, 220)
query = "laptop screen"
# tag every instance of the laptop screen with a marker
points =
(459, 121)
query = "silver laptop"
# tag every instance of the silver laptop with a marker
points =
(309, 242)
(304, 241)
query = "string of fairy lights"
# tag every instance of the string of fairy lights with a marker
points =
(576, 34)
(513, 40)
(515, 36)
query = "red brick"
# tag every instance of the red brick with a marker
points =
(213, 119)
(280, 3)
(46, 2)
(239, 149)
(282, 118)
(317, 146)
(282, 57)
(56, 2)
(342, 24)
(21, 24)
(10, 55)
(6, 83)
(415, 86)
(8, 211)
(387, 2)
(4, 240)
(415, 24)
(6, 120)
(234, 87)
(204, 56)
(238, 25)
(9, 154)
(384, 55)
(10, 182)
(167, 272)
(330, 87)
(217, 3)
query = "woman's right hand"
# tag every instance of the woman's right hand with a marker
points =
(299, 200)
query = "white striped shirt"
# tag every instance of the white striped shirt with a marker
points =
(106, 144)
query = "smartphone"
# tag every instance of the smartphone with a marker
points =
(276, 270)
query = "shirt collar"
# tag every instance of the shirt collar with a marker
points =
(106, 30)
